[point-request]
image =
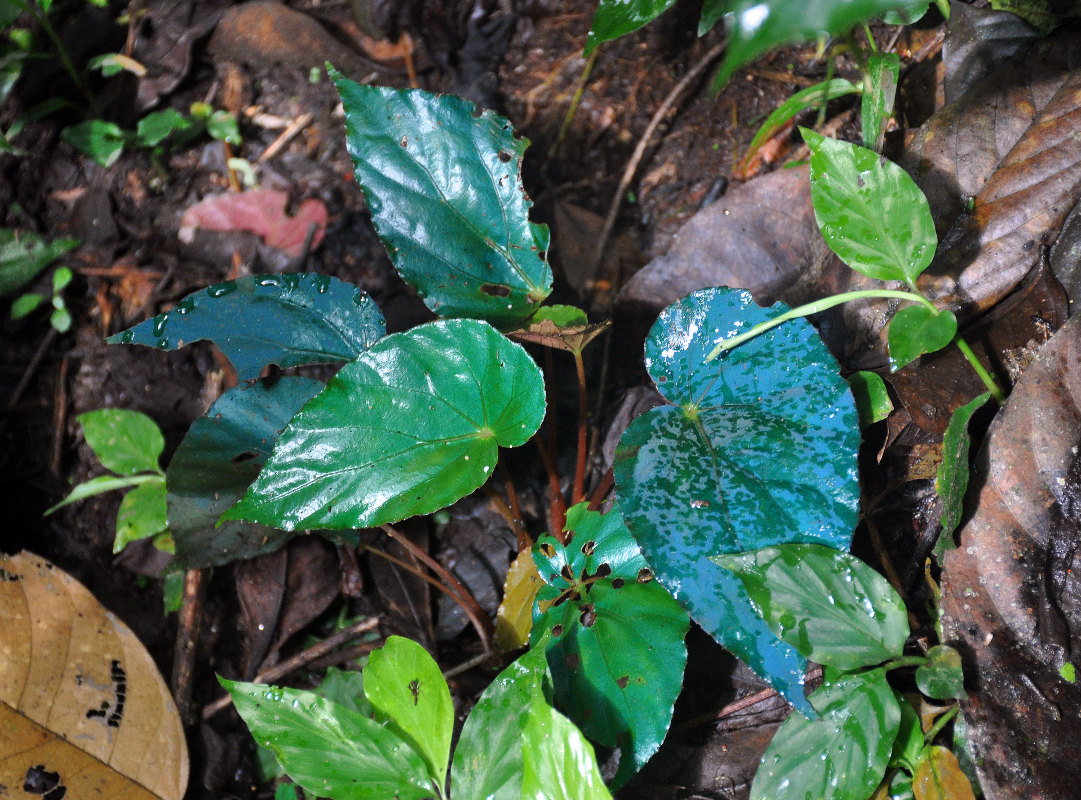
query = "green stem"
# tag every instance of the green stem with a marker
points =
(62, 52)
(940, 723)
(985, 376)
(568, 118)
(813, 308)
(905, 661)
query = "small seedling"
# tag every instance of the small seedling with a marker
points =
(59, 317)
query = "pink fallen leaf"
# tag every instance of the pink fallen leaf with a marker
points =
(261, 211)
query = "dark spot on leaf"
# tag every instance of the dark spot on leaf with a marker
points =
(645, 575)
(547, 550)
(38, 780)
(240, 458)
(404, 142)
(860, 182)
(604, 570)
(588, 615)
(504, 156)
(589, 547)
(568, 536)
(495, 289)
(572, 660)
(557, 630)
(566, 572)
(622, 682)
(618, 583)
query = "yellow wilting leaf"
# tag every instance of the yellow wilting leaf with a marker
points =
(939, 777)
(514, 619)
(81, 703)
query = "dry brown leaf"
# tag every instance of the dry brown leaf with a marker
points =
(81, 703)
(261, 211)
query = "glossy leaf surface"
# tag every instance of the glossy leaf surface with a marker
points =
(405, 687)
(757, 447)
(942, 677)
(915, 330)
(329, 750)
(141, 513)
(829, 605)
(879, 91)
(288, 319)
(842, 754)
(215, 463)
(412, 425)
(24, 254)
(126, 442)
(616, 650)
(445, 191)
(871, 395)
(869, 210)
(614, 18)
(951, 483)
(558, 763)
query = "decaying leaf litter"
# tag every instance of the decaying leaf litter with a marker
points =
(1009, 261)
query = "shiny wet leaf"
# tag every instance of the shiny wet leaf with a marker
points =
(871, 395)
(942, 677)
(412, 425)
(951, 483)
(916, 330)
(754, 448)
(614, 18)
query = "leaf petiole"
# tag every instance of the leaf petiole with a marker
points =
(985, 376)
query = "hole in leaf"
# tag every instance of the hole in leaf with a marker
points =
(604, 570)
(241, 458)
(618, 583)
(589, 547)
(557, 630)
(645, 575)
(547, 550)
(504, 156)
(495, 289)
(588, 615)
(566, 572)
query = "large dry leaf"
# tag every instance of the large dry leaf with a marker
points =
(261, 211)
(1012, 591)
(81, 703)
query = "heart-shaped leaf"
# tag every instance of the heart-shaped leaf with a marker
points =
(616, 649)
(126, 442)
(412, 425)
(942, 677)
(444, 187)
(330, 750)
(842, 754)
(870, 212)
(405, 687)
(916, 330)
(757, 448)
(218, 459)
(829, 605)
(289, 319)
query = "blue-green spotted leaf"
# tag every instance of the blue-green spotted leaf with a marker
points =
(288, 319)
(444, 187)
(616, 649)
(755, 448)
(409, 427)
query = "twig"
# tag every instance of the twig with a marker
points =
(703, 63)
(32, 367)
(286, 136)
(302, 658)
(476, 661)
(60, 414)
(187, 634)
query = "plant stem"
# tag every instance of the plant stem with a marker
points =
(940, 723)
(525, 541)
(905, 661)
(814, 308)
(568, 118)
(62, 53)
(557, 506)
(602, 489)
(985, 376)
(578, 492)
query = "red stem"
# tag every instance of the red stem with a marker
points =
(578, 493)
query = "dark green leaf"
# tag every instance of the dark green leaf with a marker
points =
(217, 461)
(141, 513)
(756, 27)
(616, 650)
(614, 18)
(126, 442)
(915, 330)
(758, 447)
(102, 141)
(869, 210)
(23, 255)
(842, 755)
(558, 762)
(288, 319)
(328, 749)
(909, 742)
(812, 96)
(872, 397)
(951, 483)
(879, 91)
(907, 16)
(829, 605)
(712, 11)
(488, 759)
(445, 191)
(345, 687)
(157, 126)
(405, 687)
(222, 126)
(412, 425)
(942, 677)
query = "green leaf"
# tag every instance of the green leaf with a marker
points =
(755, 27)
(879, 91)
(101, 485)
(616, 650)
(289, 319)
(445, 191)
(819, 94)
(62, 276)
(412, 425)
(141, 513)
(843, 754)
(915, 330)
(909, 742)
(942, 677)
(757, 447)
(102, 141)
(215, 463)
(157, 126)
(872, 397)
(488, 760)
(26, 304)
(328, 749)
(23, 255)
(222, 125)
(60, 318)
(345, 687)
(951, 483)
(614, 18)
(829, 605)
(126, 442)
(405, 687)
(870, 211)
(558, 763)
